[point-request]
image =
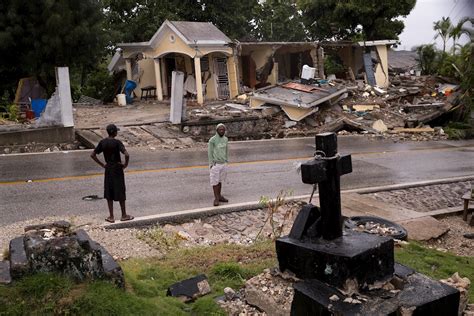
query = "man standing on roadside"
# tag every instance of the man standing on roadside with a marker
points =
(218, 158)
(114, 182)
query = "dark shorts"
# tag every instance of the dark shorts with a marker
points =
(114, 184)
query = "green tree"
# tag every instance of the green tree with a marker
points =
(426, 58)
(138, 20)
(36, 36)
(458, 30)
(443, 28)
(371, 19)
(273, 19)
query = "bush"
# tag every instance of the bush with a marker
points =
(100, 84)
(426, 58)
(333, 65)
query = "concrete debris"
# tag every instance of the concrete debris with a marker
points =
(190, 289)
(380, 126)
(270, 293)
(462, 285)
(289, 124)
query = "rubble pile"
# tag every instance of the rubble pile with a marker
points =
(376, 228)
(462, 285)
(269, 293)
(407, 110)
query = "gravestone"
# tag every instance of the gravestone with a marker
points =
(332, 261)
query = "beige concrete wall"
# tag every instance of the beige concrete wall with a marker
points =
(147, 69)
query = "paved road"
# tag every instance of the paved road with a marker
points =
(161, 182)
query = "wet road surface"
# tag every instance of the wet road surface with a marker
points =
(161, 182)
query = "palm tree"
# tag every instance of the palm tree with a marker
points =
(443, 27)
(457, 30)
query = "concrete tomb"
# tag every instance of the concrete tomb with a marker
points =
(56, 248)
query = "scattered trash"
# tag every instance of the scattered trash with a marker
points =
(92, 198)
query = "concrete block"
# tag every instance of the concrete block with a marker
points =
(19, 265)
(46, 135)
(340, 259)
(190, 289)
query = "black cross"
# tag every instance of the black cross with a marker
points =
(326, 170)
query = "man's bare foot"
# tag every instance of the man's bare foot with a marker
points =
(216, 202)
(127, 218)
(110, 219)
(223, 199)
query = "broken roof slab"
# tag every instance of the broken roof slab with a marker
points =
(297, 100)
(281, 95)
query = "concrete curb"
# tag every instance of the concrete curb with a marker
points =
(186, 215)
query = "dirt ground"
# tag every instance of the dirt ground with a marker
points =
(98, 116)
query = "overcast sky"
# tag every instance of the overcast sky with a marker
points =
(419, 23)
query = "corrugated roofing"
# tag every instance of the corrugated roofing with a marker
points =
(200, 31)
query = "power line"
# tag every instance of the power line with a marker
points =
(455, 4)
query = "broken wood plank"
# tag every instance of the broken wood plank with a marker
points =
(363, 107)
(424, 105)
(413, 130)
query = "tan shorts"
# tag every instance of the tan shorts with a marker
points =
(218, 173)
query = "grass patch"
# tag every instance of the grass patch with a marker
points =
(147, 281)
(436, 264)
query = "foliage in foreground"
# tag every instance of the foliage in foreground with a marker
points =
(148, 279)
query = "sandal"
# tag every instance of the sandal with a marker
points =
(127, 218)
(110, 220)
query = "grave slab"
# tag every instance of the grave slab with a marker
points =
(419, 296)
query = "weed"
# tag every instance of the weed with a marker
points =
(157, 238)
(6, 254)
(273, 207)
(228, 270)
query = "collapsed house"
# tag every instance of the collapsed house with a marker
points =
(217, 68)
(363, 60)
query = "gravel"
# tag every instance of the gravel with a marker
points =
(243, 227)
